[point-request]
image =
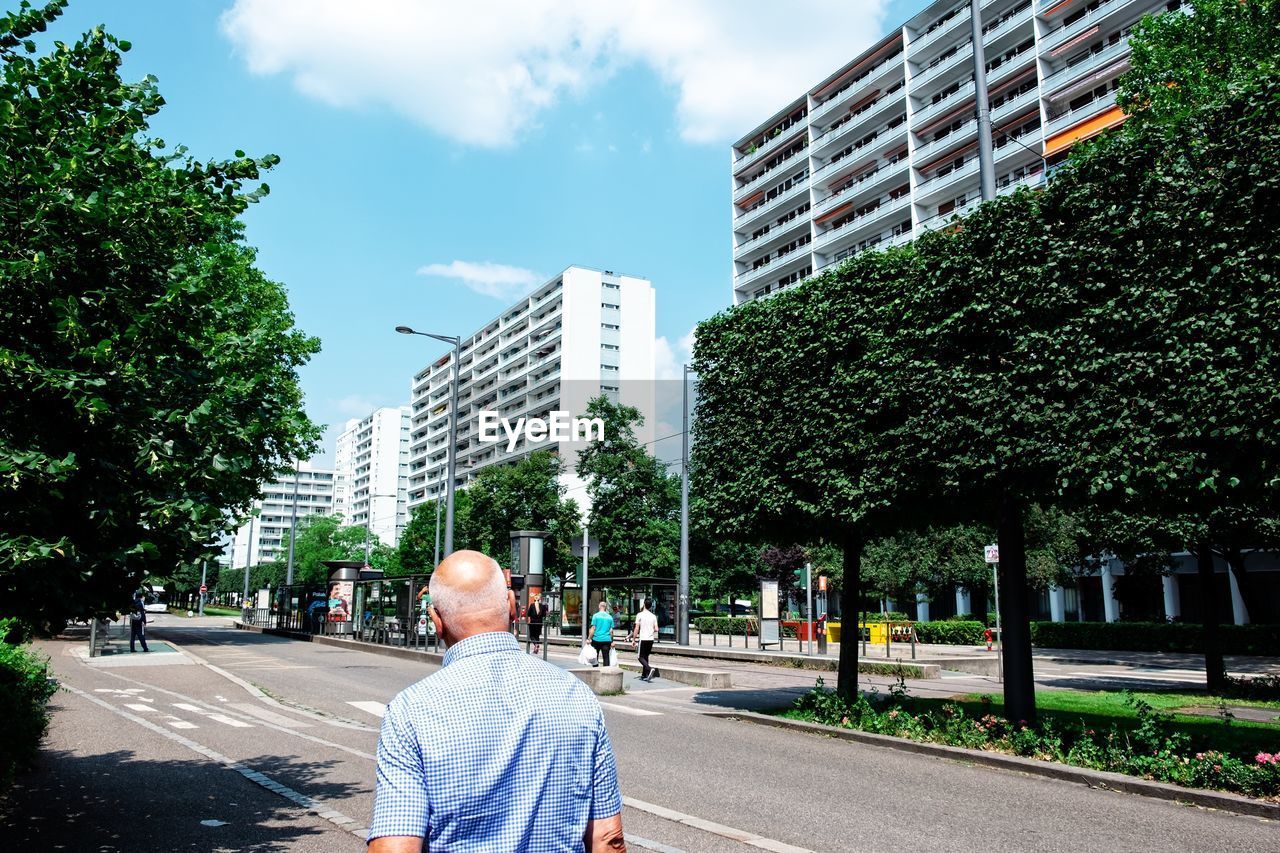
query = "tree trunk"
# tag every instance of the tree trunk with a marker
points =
(1015, 614)
(850, 604)
(1215, 670)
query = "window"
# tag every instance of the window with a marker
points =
(612, 305)
(612, 326)
(611, 286)
(611, 347)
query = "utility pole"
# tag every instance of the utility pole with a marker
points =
(248, 558)
(682, 603)
(808, 594)
(293, 525)
(204, 576)
(986, 157)
(436, 562)
(586, 549)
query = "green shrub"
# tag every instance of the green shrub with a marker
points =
(726, 625)
(25, 689)
(891, 616)
(954, 633)
(1153, 637)
(1152, 749)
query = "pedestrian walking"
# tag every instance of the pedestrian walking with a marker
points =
(497, 750)
(137, 623)
(536, 614)
(602, 634)
(645, 632)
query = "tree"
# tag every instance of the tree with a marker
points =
(794, 435)
(635, 503)
(322, 538)
(418, 541)
(525, 496)
(148, 370)
(1181, 265)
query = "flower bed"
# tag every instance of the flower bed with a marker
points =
(1152, 749)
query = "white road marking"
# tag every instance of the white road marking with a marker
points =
(1188, 679)
(739, 835)
(219, 718)
(268, 716)
(627, 709)
(180, 724)
(378, 709)
(137, 706)
(186, 707)
(318, 807)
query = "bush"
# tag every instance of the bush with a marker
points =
(951, 632)
(726, 625)
(25, 689)
(891, 616)
(1153, 637)
(1152, 749)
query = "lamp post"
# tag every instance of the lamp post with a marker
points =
(451, 465)
(682, 600)
(293, 524)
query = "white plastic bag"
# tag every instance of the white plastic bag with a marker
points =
(587, 657)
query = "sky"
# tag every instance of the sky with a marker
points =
(441, 158)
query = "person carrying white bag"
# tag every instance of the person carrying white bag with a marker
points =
(587, 656)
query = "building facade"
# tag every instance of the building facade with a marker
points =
(886, 147)
(582, 334)
(371, 467)
(267, 538)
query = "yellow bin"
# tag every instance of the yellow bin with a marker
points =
(833, 632)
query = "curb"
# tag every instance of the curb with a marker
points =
(1106, 780)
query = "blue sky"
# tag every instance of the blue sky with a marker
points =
(531, 134)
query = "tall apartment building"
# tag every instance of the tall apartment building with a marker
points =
(886, 147)
(371, 466)
(270, 534)
(582, 334)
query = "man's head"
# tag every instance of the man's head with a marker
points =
(469, 596)
(603, 606)
(644, 604)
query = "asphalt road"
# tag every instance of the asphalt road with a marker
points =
(250, 742)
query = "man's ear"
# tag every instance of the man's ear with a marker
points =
(511, 605)
(435, 620)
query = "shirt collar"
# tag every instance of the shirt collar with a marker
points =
(481, 644)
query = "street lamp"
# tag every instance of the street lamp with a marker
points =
(451, 465)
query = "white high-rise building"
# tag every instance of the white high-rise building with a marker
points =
(270, 529)
(886, 147)
(582, 334)
(371, 462)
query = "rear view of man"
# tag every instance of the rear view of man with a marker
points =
(646, 632)
(498, 751)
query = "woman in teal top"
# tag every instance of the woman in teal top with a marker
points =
(602, 634)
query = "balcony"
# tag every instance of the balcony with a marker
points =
(773, 143)
(876, 179)
(956, 21)
(952, 101)
(940, 219)
(954, 139)
(1013, 107)
(1009, 67)
(927, 191)
(1062, 35)
(778, 268)
(858, 121)
(946, 66)
(775, 234)
(752, 183)
(1086, 66)
(793, 194)
(858, 85)
(1063, 120)
(1006, 26)
(886, 207)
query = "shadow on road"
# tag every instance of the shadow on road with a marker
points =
(771, 699)
(115, 801)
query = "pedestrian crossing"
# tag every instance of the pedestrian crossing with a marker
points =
(145, 705)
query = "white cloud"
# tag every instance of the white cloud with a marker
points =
(669, 359)
(487, 278)
(480, 73)
(356, 406)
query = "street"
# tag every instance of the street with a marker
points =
(235, 740)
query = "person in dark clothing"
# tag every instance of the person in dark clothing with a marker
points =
(138, 624)
(537, 615)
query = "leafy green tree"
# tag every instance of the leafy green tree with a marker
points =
(793, 439)
(1179, 260)
(322, 538)
(635, 502)
(417, 550)
(148, 370)
(525, 496)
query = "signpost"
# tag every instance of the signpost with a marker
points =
(769, 627)
(808, 594)
(585, 547)
(991, 555)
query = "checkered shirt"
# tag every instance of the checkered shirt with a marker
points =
(497, 751)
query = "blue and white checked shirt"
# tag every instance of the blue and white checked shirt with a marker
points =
(497, 751)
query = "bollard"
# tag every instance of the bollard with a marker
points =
(913, 643)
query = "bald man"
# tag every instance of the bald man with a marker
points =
(498, 750)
